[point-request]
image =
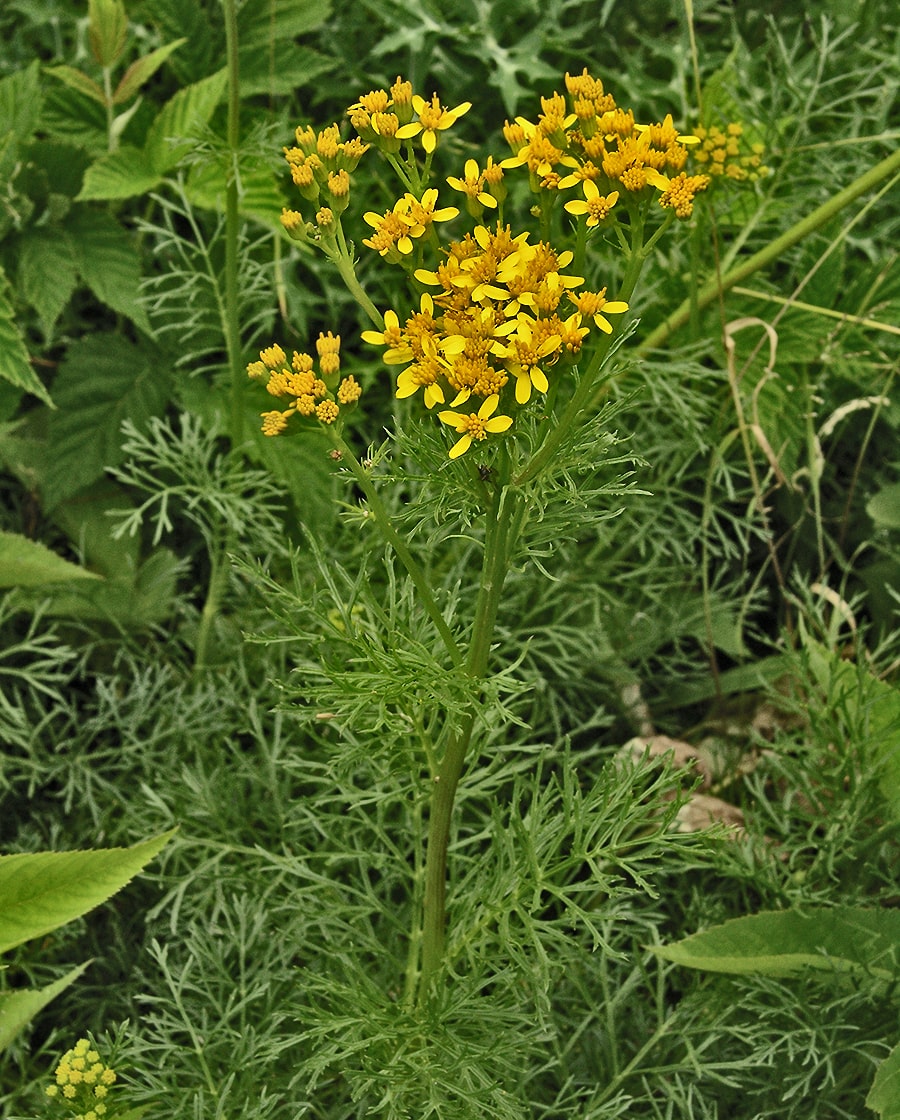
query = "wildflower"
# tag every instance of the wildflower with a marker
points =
(524, 352)
(475, 425)
(472, 187)
(83, 1079)
(327, 412)
(593, 304)
(595, 205)
(433, 118)
(391, 230)
(678, 193)
(328, 347)
(392, 337)
(273, 423)
(272, 356)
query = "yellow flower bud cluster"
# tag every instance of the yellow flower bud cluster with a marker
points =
(321, 164)
(314, 396)
(82, 1081)
(726, 153)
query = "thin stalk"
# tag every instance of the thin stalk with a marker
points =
(232, 327)
(383, 521)
(495, 565)
(716, 285)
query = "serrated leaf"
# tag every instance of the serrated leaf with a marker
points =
(106, 258)
(76, 80)
(169, 136)
(107, 28)
(18, 1008)
(27, 563)
(47, 274)
(123, 173)
(14, 364)
(142, 69)
(780, 942)
(262, 22)
(41, 891)
(20, 102)
(277, 70)
(884, 1096)
(260, 196)
(131, 601)
(103, 380)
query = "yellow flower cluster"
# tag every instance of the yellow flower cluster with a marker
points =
(587, 139)
(498, 316)
(82, 1081)
(410, 218)
(385, 118)
(728, 154)
(320, 397)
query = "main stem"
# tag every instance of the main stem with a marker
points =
(495, 565)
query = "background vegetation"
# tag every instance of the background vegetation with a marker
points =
(744, 599)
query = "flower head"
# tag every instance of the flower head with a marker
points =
(433, 118)
(475, 425)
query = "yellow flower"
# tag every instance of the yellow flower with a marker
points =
(398, 348)
(595, 205)
(522, 352)
(327, 412)
(433, 118)
(678, 193)
(475, 426)
(472, 187)
(593, 304)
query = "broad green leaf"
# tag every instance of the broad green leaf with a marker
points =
(106, 258)
(132, 601)
(123, 173)
(14, 364)
(170, 134)
(20, 102)
(780, 942)
(884, 1096)
(277, 70)
(47, 272)
(142, 69)
(74, 79)
(107, 29)
(87, 521)
(19, 1007)
(884, 507)
(40, 891)
(259, 197)
(103, 380)
(27, 563)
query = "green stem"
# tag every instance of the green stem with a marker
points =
(495, 565)
(710, 291)
(232, 335)
(214, 592)
(341, 257)
(377, 509)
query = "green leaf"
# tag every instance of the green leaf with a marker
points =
(20, 102)
(884, 1096)
(47, 272)
(104, 379)
(776, 943)
(142, 69)
(40, 891)
(170, 134)
(107, 259)
(132, 600)
(123, 173)
(27, 563)
(107, 28)
(884, 507)
(276, 70)
(74, 79)
(15, 366)
(19, 1007)
(260, 196)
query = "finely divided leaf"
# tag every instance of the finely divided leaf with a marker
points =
(776, 943)
(40, 891)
